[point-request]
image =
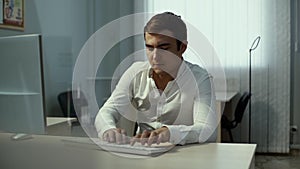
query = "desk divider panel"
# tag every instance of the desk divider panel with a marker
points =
(21, 87)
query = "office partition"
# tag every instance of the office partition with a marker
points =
(21, 86)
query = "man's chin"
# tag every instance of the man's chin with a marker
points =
(157, 70)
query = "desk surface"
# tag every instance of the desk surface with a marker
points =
(53, 152)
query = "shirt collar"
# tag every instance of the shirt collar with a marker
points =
(150, 72)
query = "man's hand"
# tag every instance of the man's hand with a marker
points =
(157, 136)
(116, 135)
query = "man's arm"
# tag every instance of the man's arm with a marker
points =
(119, 104)
(205, 119)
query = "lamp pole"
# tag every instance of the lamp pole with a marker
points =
(252, 48)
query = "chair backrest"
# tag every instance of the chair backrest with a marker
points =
(241, 106)
(66, 103)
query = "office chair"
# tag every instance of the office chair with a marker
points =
(65, 101)
(238, 114)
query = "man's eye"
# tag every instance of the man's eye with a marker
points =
(164, 48)
(150, 48)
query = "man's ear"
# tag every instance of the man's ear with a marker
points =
(183, 46)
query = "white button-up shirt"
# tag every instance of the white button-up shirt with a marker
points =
(186, 106)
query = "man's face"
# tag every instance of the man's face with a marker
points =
(162, 53)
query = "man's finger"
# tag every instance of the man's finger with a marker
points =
(125, 139)
(111, 136)
(159, 138)
(118, 136)
(144, 137)
(105, 136)
(152, 138)
(134, 139)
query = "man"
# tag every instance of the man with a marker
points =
(171, 99)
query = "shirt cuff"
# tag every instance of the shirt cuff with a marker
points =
(175, 134)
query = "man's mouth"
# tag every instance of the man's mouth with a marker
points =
(157, 64)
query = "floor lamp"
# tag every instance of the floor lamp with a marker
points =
(252, 48)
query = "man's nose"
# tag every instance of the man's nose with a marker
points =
(156, 53)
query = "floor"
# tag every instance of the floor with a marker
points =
(275, 161)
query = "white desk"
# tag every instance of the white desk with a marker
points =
(221, 99)
(51, 152)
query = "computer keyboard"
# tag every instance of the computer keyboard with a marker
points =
(136, 149)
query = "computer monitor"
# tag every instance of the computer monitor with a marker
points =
(21, 87)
